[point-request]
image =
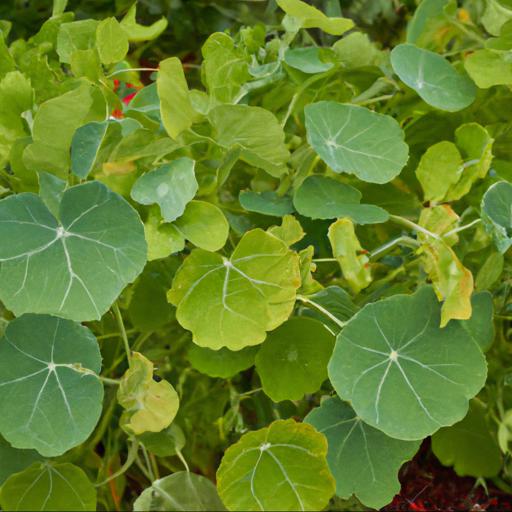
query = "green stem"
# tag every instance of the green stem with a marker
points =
(184, 462)
(122, 330)
(112, 382)
(130, 459)
(462, 228)
(114, 334)
(148, 463)
(322, 310)
(406, 240)
(412, 225)
(128, 70)
(375, 100)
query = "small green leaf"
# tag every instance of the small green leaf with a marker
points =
(166, 443)
(180, 491)
(51, 190)
(232, 303)
(85, 146)
(496, 207)
(307, 60)
(49, 487)
(310, 17)
(175, 106)
(13, 460)
(162, 239)
(51, 393)
(221, 363)
(433, 78)
(489, 69)
(406, 378)
(150, 406)
(76, 35)
(480, 327)
(363, 460)
(137, 33)
(290, 231)
(319, 197)
(256, 131)
(490, 271)
(355, 140)
(439, 169)
(75, 269)
(470, 445)
(286, 455)
(293, 360)
(266, 203)
(204, 225)
(171, 186)
(351, 256)
(111, 41)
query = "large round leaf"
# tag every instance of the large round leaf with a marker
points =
(172, 186)
(281, 467)
(401, 372)
(52, 487)
(353, 139)
(496, 208)
(363, 460)
(319, 197)
(50, 393)
(293, 360)
(180, 491)
(433, 78)
(76, 268)
(232, 303)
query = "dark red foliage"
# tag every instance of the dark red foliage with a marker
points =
(428, 486)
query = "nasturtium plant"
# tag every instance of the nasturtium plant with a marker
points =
(253, 255)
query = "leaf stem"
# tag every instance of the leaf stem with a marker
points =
(130, 459)
(122, 330)
(128, 70)
(370, 101)
(462, 228)
(406, 240)
(112, 382)
(325, 260)
(184, 462)
(412, 225)
(322, 310)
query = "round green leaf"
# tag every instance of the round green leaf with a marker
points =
(363, 460)
(355, 140)
(85, 146)
(281, 467)
(433, 78)
(407, 378)
(232, 303)
(171, 186)
(223, 363)
(13, 460)
(180, 491)
(267, 203)
(76, 268)
(51, 396)
(319, 197)
(469, 446)
(293, 360)
(52, 487)
(496, 208)
(306, 60)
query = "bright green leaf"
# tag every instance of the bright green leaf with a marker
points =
(49, 487)
(307, 60)
(232, 303)
(111, 41)
(76, 35)
(223, 363)
(137, 33)
(287, 457)
(150, 406)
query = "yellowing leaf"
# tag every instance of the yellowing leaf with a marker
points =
(290, 231)
(351, 256)
(453, 283)
(150, 406)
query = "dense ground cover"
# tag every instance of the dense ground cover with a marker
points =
(255, 255)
